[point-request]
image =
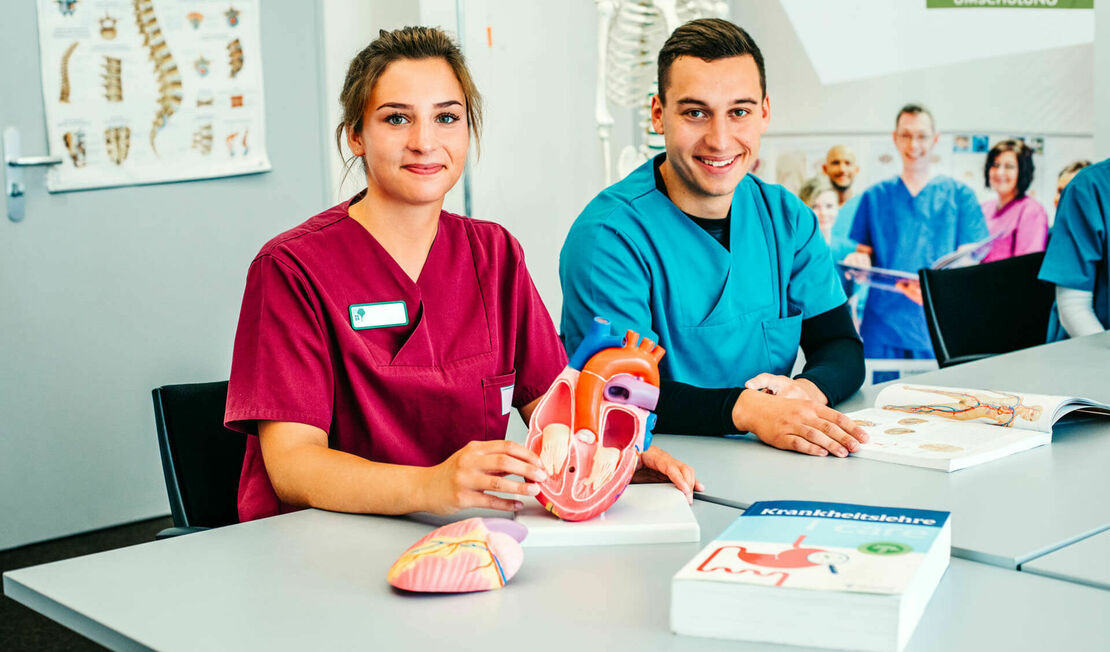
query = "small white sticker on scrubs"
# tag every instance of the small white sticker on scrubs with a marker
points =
(507, 399)
(378, 315)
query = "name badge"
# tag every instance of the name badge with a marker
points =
(507, 399)
(378, 315)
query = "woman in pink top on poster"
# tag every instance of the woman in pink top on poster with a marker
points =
(383, 343)
(1017, 222)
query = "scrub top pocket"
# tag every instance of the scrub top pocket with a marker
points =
(781, 337)
(497, 396)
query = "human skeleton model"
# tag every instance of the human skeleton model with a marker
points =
(1001, 409)
(629, 35)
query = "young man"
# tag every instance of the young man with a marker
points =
(908, 222)
(1076, 258)
(726, 272)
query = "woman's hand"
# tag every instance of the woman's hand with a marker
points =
(787, 387)
(657, 465)
(858, 259)
(463, 479)
(801, 425)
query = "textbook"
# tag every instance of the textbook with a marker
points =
(951, 428)
(831, 575)
(892, 279)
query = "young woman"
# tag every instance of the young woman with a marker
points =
(819, 194)
(1018, 222)
(381, 342)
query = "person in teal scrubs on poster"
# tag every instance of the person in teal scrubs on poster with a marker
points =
(1076, 258)
(729, 274)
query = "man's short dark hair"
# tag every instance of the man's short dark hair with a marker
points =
(915, 109)
(708, 39)
(1024, 155)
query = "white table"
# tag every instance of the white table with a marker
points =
(1005, 512)
(1085, 562)
(316, 580)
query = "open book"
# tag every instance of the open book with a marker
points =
(950, 428)
(890, 279)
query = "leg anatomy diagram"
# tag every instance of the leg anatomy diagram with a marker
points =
(998, 407)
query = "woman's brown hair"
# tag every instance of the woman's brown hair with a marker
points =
(405, 43)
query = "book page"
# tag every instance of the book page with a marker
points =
(931, 441)
(993, 407)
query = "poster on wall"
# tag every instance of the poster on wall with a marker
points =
(151, 91)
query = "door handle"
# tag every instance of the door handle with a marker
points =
(13, 169)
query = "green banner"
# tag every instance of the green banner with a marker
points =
(1010, 4)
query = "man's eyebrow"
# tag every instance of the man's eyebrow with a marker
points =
(399, 105)
(690, 101)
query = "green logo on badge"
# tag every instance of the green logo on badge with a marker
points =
(381, 314)
(885, 548)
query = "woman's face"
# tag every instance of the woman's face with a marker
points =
(1061, 183)
(826, 205)
(1003, 174)
(414, 134)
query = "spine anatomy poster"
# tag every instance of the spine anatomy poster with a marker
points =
(151, 91)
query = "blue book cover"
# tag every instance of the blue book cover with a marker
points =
(821, 546)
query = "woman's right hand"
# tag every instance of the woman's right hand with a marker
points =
(801, 425)
(463, 479)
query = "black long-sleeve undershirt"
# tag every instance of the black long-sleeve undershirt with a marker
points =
(834, 363)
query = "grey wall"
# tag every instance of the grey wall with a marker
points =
(107, 294)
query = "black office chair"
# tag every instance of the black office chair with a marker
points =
(983, 310)
(201, 459)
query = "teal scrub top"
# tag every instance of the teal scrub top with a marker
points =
(1076, 256)
(909, 232)
(723, 316)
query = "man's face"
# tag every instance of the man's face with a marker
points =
(840, 167)
(712, 122)
(915, 138)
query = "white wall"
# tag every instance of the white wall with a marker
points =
(1047, 91)
(349, 26)
(1102, 79)
(540, 161)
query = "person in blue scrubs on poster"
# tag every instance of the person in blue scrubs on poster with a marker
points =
(906, 223)
(726, 272)
(1076, 256)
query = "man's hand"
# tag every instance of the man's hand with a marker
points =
(802, 425)
(657, 465)
(787, 387)
(912, 290)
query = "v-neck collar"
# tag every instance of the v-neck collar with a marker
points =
(394, 267)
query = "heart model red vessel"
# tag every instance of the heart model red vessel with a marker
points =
(595, 420)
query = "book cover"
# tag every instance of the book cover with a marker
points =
(821, 547)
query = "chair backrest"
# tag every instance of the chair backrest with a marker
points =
(986, 309)
(201, 459)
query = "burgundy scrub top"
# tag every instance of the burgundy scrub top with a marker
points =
(478, 337)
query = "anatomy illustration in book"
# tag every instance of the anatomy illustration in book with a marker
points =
(998, 408)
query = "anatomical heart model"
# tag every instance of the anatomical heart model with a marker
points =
(591, 426)
(477, 554)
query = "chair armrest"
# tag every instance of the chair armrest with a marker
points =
(171, 532)
(972, 357)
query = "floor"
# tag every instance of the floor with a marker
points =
(22, 629)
